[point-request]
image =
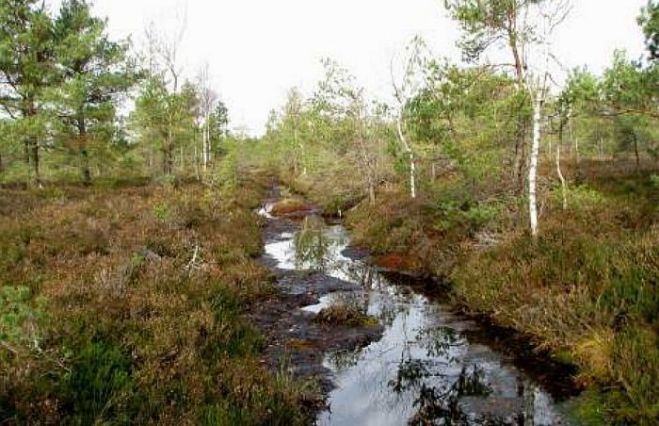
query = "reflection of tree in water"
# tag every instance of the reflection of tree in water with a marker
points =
(313, 247)
(342, 360)
(439, 341)
(440, 405)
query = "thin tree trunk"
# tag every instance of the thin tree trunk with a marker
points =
(84, 154)
(371, 191)
(208, 140)
(35, 161)
(195, 159)
(410, 155)
(638, 157)
(560, 176)
(533, 168)
(575, 146)
(520, 154)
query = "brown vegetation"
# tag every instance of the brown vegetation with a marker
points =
(126, 304)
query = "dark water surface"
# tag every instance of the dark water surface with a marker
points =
(431, 366)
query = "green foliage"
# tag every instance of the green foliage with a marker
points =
(98, 385)
(161, 212)
(94, 74)
(649, 21)
(26, 52)
(21, 317)
(165, 119)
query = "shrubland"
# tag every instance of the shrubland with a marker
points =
(125, 305)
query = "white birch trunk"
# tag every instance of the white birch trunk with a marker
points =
(533, 168)
(410, 155)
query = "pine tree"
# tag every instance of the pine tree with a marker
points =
(26, 69)
(95, 73)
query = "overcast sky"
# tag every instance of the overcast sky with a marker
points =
(258, 49)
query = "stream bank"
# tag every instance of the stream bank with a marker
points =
(422, 364)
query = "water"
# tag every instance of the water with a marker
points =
(427, 368)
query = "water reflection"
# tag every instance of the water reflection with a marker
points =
(313, 246)
(423, 371)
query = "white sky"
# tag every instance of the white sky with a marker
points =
(258, 49)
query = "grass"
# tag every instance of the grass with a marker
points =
(288, 206)
(124, 304)
(345, 314)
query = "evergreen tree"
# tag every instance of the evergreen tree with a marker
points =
(95, 72)
(165, 119)
(26, 69)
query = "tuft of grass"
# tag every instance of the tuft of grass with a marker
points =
(289, 206)
(345, 315)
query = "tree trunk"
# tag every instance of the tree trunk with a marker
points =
(410, 154)
(638, 157)
(84, 154)
(34, 144)
(575, 145)
(560, 176)
(520, 134)
(168, 158)
(371, 193)
(533, 168)
(195, 158)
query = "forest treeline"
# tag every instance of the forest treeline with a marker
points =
(66, 87)
(534, 196)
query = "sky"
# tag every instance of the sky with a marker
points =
(258, 49)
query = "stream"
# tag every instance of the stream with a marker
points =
(429, 365)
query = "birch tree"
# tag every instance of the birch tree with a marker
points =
(514, 23)
(550, 14)
(406, 88)
(207, 100)
(166, 71)
(341, 102)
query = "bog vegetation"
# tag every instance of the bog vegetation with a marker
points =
(128, 242)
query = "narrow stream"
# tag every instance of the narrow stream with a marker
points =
(430, 366)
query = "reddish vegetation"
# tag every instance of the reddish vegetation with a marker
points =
(397, 261)
(291, 207)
